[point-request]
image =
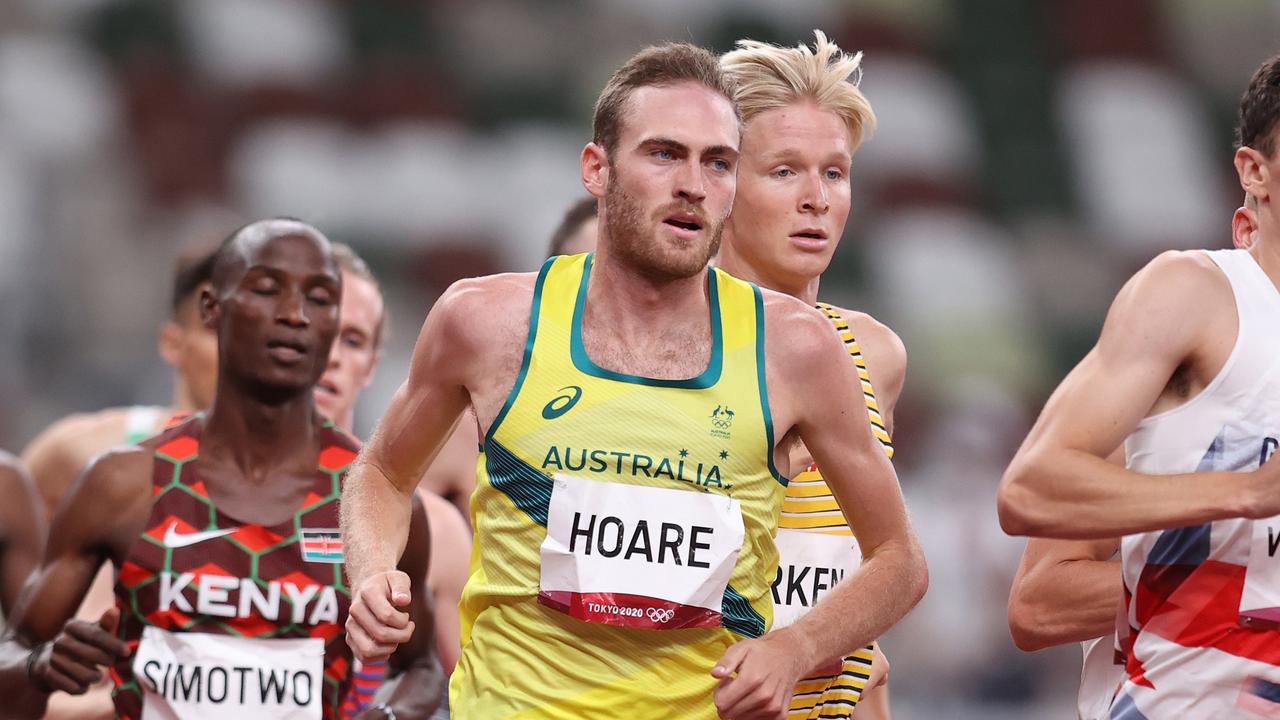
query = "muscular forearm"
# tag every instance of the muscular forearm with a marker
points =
(1075, 495)
(1069, 601)
(890, 581)
(22, 699)
(375, 522)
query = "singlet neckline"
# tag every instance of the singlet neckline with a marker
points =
(583, 362)
(224, 519)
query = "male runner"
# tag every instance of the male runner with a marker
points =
(636, 432)
(21, 530)
(1185, 374)
(1070, 590)
(230, 597)
(802, 119)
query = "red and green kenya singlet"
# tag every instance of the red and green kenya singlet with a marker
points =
(228, 619)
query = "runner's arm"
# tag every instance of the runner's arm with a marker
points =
(1059, 483)
(21, 530)
(378, 492)
(1065, 591)
(415, 683)
(808, 370)
(832, 423)
(44, 647)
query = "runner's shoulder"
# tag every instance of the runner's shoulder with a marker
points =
(795, 332)
(1174, 292)
(117, 477)
(14, 479)
(478, 307)
(77, 438)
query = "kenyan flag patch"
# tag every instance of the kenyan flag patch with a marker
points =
(324, 545)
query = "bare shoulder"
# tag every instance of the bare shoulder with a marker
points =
(1169, 303)
(118, 478)
(1178, 279)
(480, 315)
(14, 480)
(481, 299)
(795, 332)
(79, 436)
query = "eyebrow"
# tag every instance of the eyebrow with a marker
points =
(787, 154)
(668, 143)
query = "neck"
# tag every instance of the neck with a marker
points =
(631, 301)
(742, 267)
(1266, 248)
(183, 399)
(347, 422)
(258, 436)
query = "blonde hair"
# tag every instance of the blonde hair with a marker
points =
(769, 77)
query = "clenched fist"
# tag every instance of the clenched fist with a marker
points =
(379, 618)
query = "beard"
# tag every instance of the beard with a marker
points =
(633, 242)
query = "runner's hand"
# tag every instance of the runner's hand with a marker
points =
(379, 620)
(758, 676)
(70, 662)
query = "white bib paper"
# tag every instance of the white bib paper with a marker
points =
(637, 556)
(1260, 601)
(201, 676)
(809, 564)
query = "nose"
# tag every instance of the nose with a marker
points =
(814, 199)
(292, 310)
(691, 185)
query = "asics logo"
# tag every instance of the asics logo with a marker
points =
(660, 615)
(175, 539)
(562, 404)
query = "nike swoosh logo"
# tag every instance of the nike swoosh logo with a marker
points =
(175, 539)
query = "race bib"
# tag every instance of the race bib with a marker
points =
(199, 676)
(636, 556)
(1260, 601)
(809, 564)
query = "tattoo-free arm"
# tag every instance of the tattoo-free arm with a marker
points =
(1060, 485)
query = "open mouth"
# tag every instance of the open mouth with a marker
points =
(685, 221)
(327, 388)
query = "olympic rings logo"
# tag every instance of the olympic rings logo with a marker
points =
(660, 616)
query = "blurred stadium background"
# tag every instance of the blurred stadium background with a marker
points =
(1030, 156)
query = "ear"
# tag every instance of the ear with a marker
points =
(595, 169)
(1244, 225)
(1254, 173)
(209, 308)
(169, 342)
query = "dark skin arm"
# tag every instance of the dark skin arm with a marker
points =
(415, 682)
(22, 530)
(96, 521)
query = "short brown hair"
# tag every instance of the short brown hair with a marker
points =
(1260, 108)
(352, 263)
(655, 65)
(578, 213)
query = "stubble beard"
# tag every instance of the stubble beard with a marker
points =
(625, 222)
